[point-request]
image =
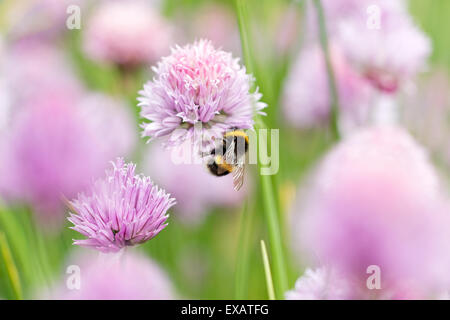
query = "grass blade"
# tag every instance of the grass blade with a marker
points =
(11, 269)
(269, 281)
(242, 261)
(269, 201)
(334, 116)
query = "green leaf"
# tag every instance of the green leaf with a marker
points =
(270, 290)
(11, 269)
(268, 194)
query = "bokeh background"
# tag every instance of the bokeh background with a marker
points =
(68, 106)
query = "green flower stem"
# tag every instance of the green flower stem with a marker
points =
(331, 76)
(242, 261)
(275, 239)
(11, 269)
(270, 291)
(14, 230)
(271, 212)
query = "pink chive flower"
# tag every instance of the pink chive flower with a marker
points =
(39, 19)
(32, 67)
(304, 108)
(387, 57)
(5, 107)
(54, 147)
(127, 33)
(326, 283)
(205, 192)
(379, 38)
(123, 209)
(321, 284)
(376, 201)
(340, 9)
(339, 12)
(131, 276)
(197, 85)
(104, 113)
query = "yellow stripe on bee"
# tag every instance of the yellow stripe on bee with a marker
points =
(222, 164)
(237, 133)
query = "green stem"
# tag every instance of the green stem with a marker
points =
(19, 243)
(275, 244)
(330, 71)
(38, 252)
(241, 11)
(271, 212)
(241, 279)
(11, 269)
(269, 281)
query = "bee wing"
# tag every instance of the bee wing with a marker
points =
(238, 176)
(238, 166)
(230, 154)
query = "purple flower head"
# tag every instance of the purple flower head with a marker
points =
(321, 284)
(304, 108)
(376, 200)
(127, 33)
(327, 283)
(39, 19)
(378, 37)
(197, 85)
(124, 209)
(120, 276)
(32, 67)
(42, 159)
(388, 57)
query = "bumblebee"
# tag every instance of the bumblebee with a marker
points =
(229, 157)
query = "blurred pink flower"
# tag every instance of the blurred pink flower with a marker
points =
(48, 154)
(304, 107)
(321, 284)
(326, 283)
(130, 276)
(387, 57)
(123, 209)
(33, 67)
(5, 107)
(196, 190)
(216, 23)
(127, 33)
(376, 201)
(38, 19)
(198, 84)
(113, 121)
(360, 9)
(378, 37)
(54, 147)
